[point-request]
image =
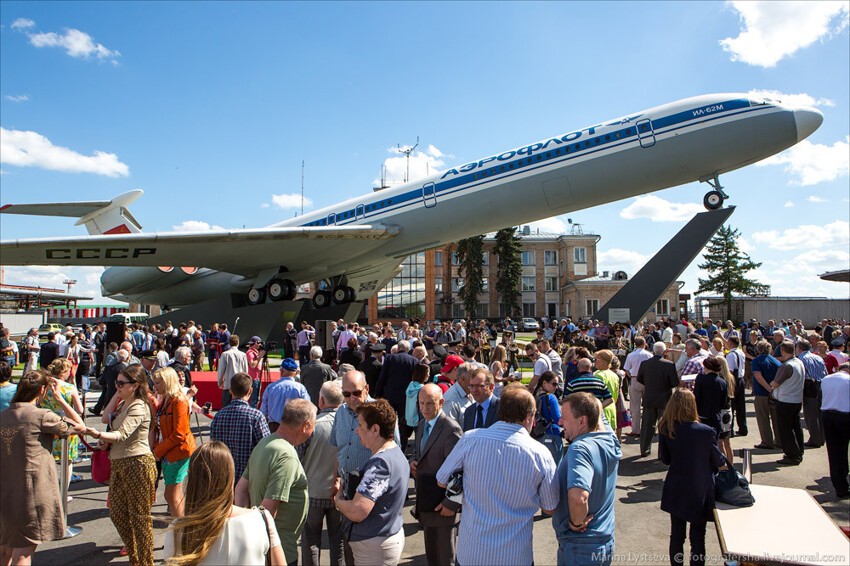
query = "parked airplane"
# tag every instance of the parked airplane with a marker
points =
(356, 246)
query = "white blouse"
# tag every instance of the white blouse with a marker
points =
(238, 543)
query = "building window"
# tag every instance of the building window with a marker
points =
(528, 284)
(458, 310)
(438, 258)
(551, 283)
(528, 258)
(404, 295)
(552, 310)
(438, 285)
(550, 257)
(485, 284)
(662, 307)
(455, 259)
(485, 258)
(592, 305)
(529, 310)
(482, 310)
(580, 255)
(457, 283)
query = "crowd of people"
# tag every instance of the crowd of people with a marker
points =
(335, 441)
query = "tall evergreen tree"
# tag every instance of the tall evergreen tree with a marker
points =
(470, 256)
(727, 267)
(508, 248)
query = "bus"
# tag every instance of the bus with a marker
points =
(129, 318)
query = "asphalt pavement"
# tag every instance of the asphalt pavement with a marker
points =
(642, 529)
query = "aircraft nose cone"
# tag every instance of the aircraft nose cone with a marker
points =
(808, 120)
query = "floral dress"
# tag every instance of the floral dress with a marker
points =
(49, 402)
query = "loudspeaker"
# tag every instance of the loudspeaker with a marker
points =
(115, 332)
(324, 336)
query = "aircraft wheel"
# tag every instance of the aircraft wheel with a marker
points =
(343, 294)
(281, 290)
(712, 200)
(321, 299)
(256, 296)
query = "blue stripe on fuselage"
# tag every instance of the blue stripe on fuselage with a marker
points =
(565, 151)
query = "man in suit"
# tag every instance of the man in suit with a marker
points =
(315, 373)
(396, 374)
(436, 436)
(49, 352)
(371, 366)
(659, 377)
(107, 381)
(484, 411)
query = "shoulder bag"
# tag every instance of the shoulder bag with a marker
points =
(268, 533)
(732, 488)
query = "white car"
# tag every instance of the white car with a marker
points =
(528, 324)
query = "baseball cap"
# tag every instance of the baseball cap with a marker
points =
(289, 364)
(254, 340)
(451, 363)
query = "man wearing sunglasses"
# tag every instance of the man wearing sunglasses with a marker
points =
(351, 454)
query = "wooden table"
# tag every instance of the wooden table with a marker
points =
(784, 526)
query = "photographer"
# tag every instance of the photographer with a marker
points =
(256, 353)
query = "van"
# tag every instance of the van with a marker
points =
(129, 318)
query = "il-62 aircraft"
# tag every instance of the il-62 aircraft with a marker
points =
(356, 246)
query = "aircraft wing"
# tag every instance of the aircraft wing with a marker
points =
(243, 252)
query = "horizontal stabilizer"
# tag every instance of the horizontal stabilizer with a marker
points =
(99, 217)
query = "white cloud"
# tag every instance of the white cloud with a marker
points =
(195, 226)
(798, 100)
(659, 210)
(290, 200)
(31, 149)
(815, 198)
(23, 23)
(813, 163)
(789, 204)
(422, 163)
(745, 245)
(617, 259)
(17, 97)
(52, 276)
(771, 31)
(801, 237)
(265, 205)
(76, 43)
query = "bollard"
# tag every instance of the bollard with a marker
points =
(747, 464)
(70, 531)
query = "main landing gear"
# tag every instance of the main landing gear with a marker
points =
(339, 294)
(276, 290)
(714, 199)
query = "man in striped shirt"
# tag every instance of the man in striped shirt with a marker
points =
(502, 495)
(589, 383)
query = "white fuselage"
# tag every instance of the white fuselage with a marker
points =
(684, 141)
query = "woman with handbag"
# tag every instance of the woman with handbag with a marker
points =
(214, 530)
(32, 510)
(548, 415)
(690, 449)
(713, 395)
(60, 371)
(175, 442)
(131, 482)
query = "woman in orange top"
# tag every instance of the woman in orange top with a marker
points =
(174, 442)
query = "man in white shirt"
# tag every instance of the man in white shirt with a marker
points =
(636, 389)
(33, 348)
(541, 364)
(836, 426)
(230, 363)
(736, 361)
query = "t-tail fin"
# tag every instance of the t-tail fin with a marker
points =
(99, 217)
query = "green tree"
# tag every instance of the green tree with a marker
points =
(470, 258)
(727, 268)
(508, 248)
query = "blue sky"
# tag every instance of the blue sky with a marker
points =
(211, 107)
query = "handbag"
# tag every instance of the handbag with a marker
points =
(726, 420)
(454, 487)
(101, 466)
(732, 488)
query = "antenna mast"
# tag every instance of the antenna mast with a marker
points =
(407, 153)
(302, 187)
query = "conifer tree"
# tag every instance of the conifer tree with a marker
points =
(470, 258)
(727, 268)
(508, 248)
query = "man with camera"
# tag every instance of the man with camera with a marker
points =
(256, 354)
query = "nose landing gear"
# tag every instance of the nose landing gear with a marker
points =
(714, 199)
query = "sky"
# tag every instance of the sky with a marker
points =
(211, 108)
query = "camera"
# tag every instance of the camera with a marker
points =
(207, 408)
(268, 346)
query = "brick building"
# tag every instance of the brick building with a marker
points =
(559, 279)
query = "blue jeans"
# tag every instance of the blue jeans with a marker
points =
(581, 553)
(255, 393)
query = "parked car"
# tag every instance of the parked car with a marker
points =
(528, 325)
(46, 329)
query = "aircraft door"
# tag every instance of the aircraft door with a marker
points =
(360, 212)
(331, 219)
(429, 195)
(646, 134)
